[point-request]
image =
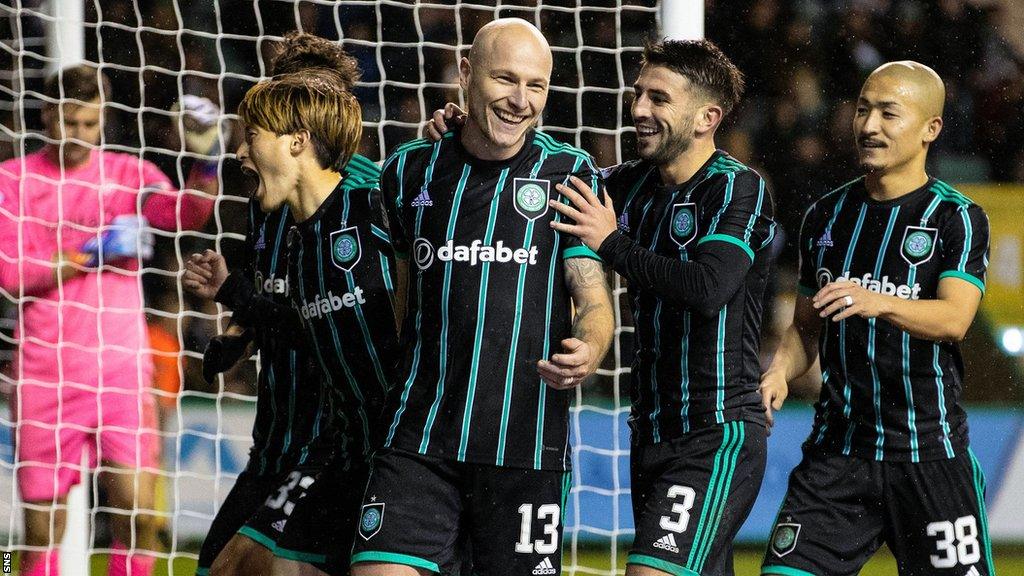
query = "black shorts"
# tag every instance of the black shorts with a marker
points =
(323, 524)
(692, 494)
(268, 522)
(244, 499)
(840, 509)
(426, 512)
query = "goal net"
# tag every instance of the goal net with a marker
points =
(156, 52)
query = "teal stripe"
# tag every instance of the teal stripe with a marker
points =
(968, 237)
(442, 369)
(875, 380)
(730, 240)
(730, 180)
(542, 389)
(836, 210)
(847, 261)
(380, 233)
(271, 380)
(202, 571)
(481, 315)
(305, 557)
(964, 276)
(656, 344)
(941, 393)
(579, 252)
(757, 213)
(784, 571)
(510, 369)
(258, 537)
(291, 414)
(659, 564)
(720, 365)
(339, 354)
(360, 316)
(979, 492)
(389, 285)
(418, 348)
(393, 558)
(915, 455)
(722, 495)
(706, 508)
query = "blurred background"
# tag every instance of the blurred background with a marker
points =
(804, 62)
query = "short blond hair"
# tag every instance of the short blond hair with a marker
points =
(308, 101)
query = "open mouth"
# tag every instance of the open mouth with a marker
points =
(254, 177)
(510, 118)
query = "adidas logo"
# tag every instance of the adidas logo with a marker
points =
(261, 242)
(624, 222)
(667, 542)
(423, 199)
(279, 525)
(826, 239)
(545, 567)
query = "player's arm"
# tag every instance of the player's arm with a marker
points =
(592, 328)
(705, 283)
(796, 354)
(962, 246)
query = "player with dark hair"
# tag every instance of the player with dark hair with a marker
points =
(293, 433)
(892, 269)
(76, 226)
(476, 444)
(691, 236)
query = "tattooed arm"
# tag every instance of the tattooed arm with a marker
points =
(592, 328)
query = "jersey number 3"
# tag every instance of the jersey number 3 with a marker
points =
(682, 501)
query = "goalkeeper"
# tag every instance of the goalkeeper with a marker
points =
(301, 133)
(74, 225)
(290, 429)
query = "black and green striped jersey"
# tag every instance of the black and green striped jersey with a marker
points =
(696, 364)
(486, 302)
(888, 395)
(341, 267)
(291, 411)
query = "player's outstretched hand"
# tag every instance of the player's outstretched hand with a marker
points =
(593, 220)
(438, 125)
(570, 368)
(843, 299)
(774, 390)
(223, 352)
(205, 273)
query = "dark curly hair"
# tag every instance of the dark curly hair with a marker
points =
(300, 51)
(703, 64)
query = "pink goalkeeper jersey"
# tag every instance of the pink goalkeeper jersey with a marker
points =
(91, 331)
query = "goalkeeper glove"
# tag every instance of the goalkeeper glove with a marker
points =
(199, 116)
(223, 352)
(126, 237)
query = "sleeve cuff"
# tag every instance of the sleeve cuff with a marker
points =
(580, 252)
(979, 284)
(729, 240)
(235, 292)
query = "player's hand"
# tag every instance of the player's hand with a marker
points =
(222, 352)
(774, 390)
(438, 125)
(128, 236)
(205, 273)
(568, 369)
(594, 221)
(199, 117)
(845, 299)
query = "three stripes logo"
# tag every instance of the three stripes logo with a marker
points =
(279, 525)
(667, 542)
(545, 567)
(422, 200)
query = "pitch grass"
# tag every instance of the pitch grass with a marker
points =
(597, 561)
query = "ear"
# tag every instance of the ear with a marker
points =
(708, 118)
(932, 129)
(465, 69)
(300, 141)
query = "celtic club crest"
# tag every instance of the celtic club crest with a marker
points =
(345, 248)
(784, 538)
(683, 228)
(371, 519)
(918, 244)
(531, 197)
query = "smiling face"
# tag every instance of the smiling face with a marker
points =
(895, 120)
(665, 110)
(266, 157)
(77, 128)
(506, 81)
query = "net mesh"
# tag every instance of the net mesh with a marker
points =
(156, 52)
